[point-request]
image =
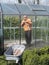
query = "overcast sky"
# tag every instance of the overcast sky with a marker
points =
(14, 1)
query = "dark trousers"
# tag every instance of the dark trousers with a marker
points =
(28, 37)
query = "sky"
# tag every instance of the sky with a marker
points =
(16, 1)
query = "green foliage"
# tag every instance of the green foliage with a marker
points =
(44, 59)
(11, 21)
(43, 51)
(6, 34)
(38, 32)
(36, 56)
(3, 61)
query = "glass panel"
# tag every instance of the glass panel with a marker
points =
(48, 35)
(48, 22)
(23, 38)
(12, 34)
(41, 31)
(14, 21)
(40, 10)
(0, 32)
(37, 7)
(38, 13)
(11, 21)
(44, 35)
(33, 33)
(9, 9)
(23, 41)
(11, 29)
(6, 22)
(7, 34)
(17, 34)
(24, 9)
(38, 33)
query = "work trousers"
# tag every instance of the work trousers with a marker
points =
(28, 37)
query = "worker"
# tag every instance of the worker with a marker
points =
(27, 26)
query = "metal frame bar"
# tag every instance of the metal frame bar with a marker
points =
(23, 15)
(20, 28)
(35, 30)
(2, 37)
(20, 21)
(47, 32)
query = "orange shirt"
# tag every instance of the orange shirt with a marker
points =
(26, 24)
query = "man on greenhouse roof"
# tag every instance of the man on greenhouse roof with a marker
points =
(27, 24)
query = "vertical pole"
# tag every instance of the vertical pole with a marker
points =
(41, 31)
(10, 29)
(14, 34)
(1, 37)
(20, 28)
(33, 1)
(35, 30)
(47, 30)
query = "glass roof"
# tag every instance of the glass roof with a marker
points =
(9, 9)
(37, 7)
(39, 10)
(41, 13)
(47, 8)
(22, 9)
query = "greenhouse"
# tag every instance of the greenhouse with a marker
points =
(10, 20)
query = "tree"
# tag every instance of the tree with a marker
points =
(38, 1)
(34, 1)
(19, 1)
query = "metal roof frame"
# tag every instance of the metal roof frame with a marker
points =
(22, 9)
